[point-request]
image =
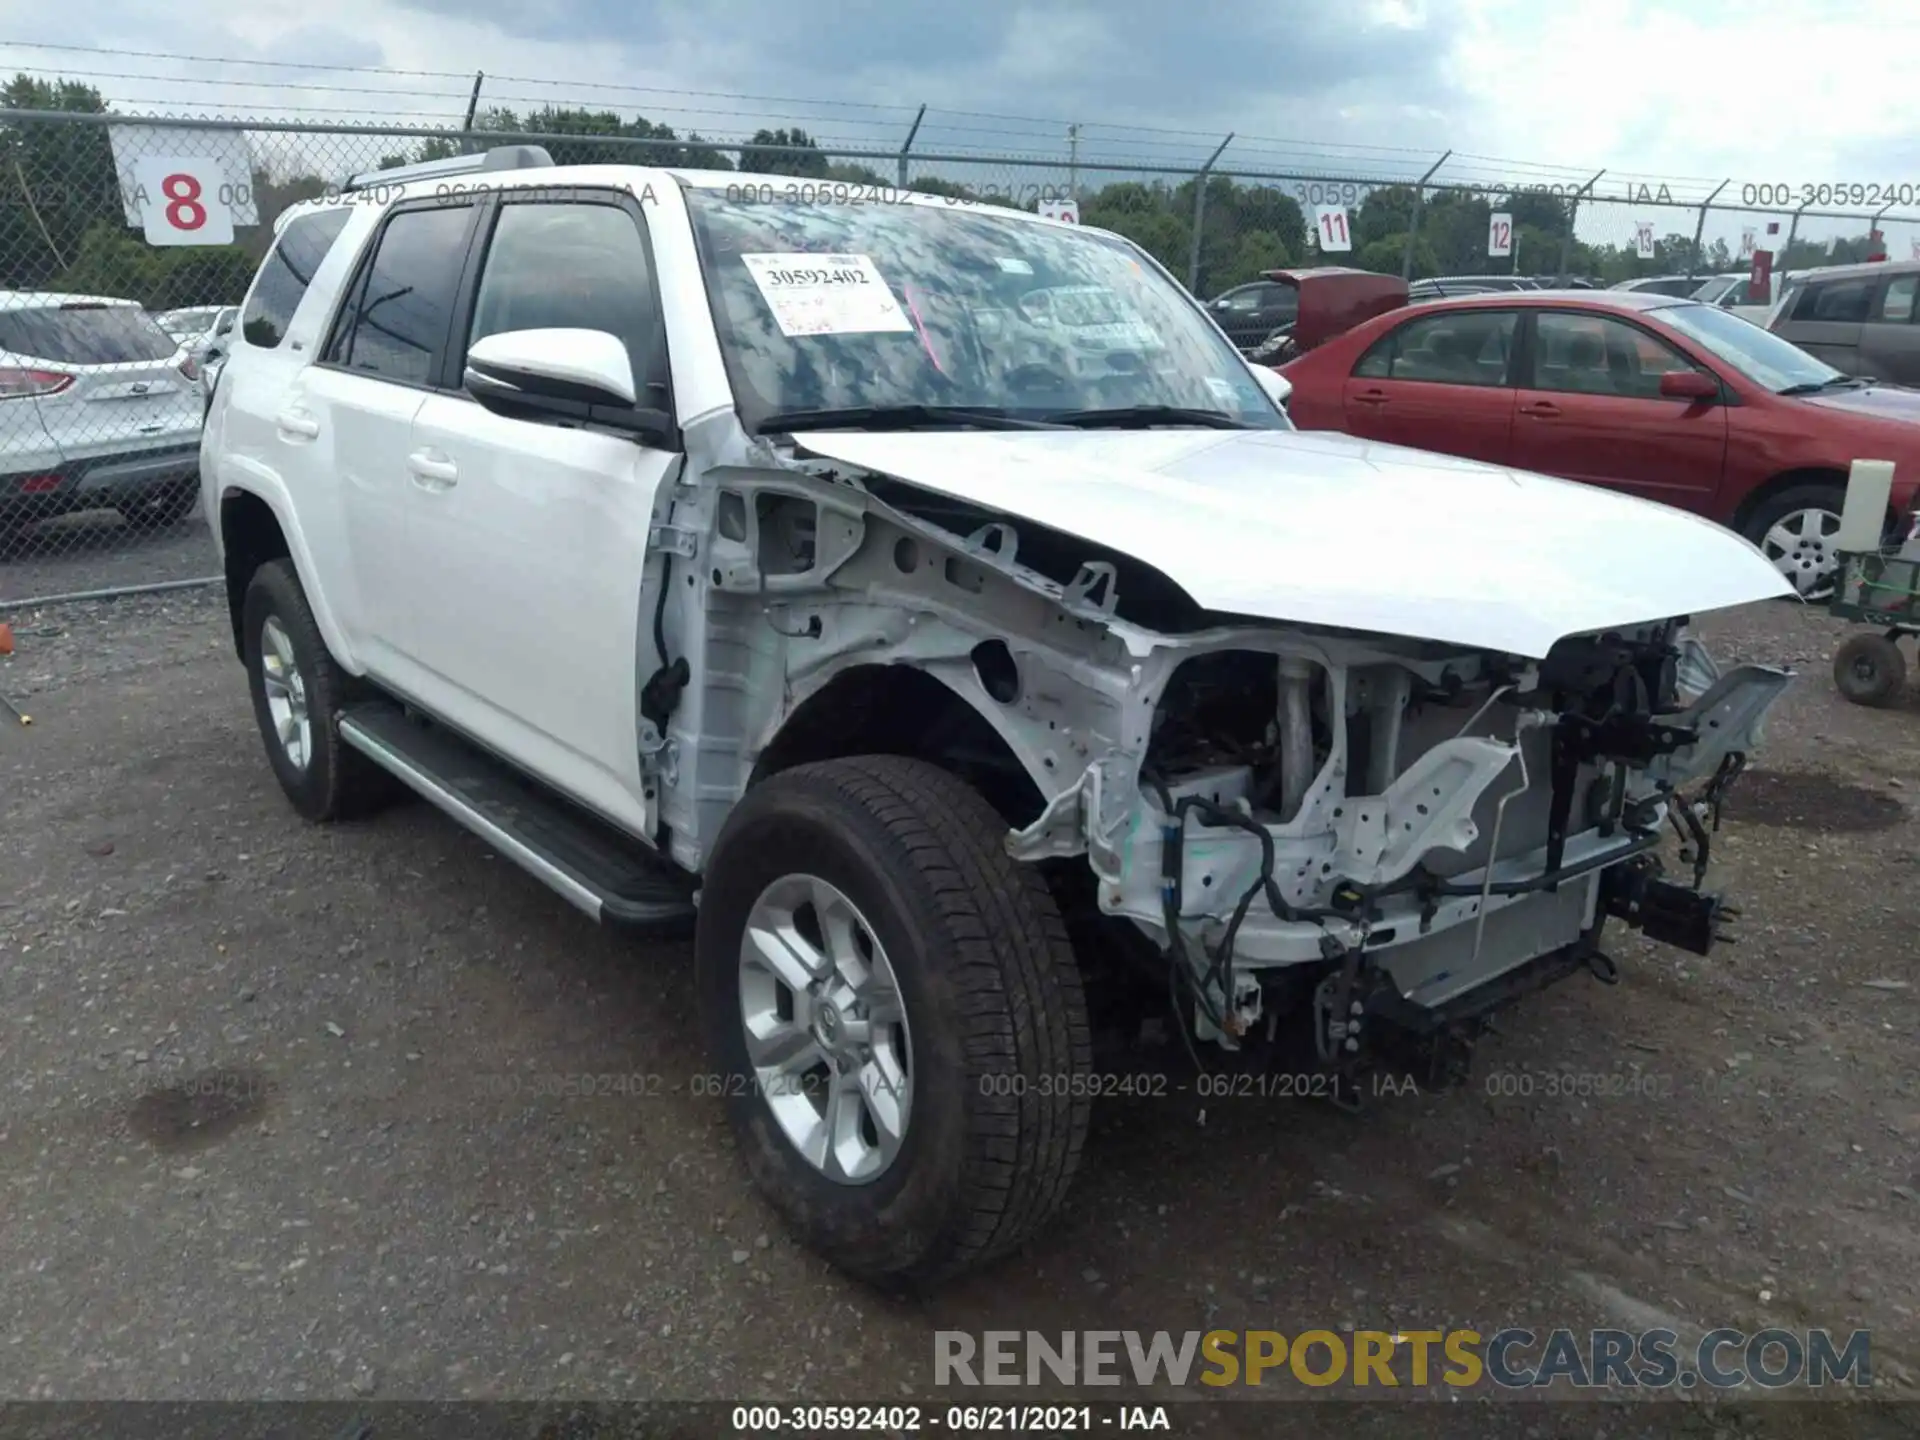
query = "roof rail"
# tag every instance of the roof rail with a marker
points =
(500, 157)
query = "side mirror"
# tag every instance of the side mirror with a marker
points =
(1277, 387)
(1689, 385)
(566, 374)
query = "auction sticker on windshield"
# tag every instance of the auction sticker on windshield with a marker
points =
(813, 294)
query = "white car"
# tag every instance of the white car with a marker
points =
(693, 539)
(99, 409)
(1729, 292)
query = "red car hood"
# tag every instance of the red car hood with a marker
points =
(1881, 402)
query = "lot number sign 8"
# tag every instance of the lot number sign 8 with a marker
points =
(1330, 227)
(184, 200)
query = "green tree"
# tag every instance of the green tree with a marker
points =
(1385, 211)
(114, 260)
(1386, 255)
(785, 152)
(57, 181)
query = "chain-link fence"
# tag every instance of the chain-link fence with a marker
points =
(127, 245)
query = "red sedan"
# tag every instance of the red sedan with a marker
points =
(1675, 401)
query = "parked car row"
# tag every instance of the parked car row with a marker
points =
(100, 407)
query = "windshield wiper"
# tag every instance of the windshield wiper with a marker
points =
(1814, 387)
(897, 417)
(1131, 415)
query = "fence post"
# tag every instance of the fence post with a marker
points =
(908, 145)
(1873, 228)
(1700, 226)
(1200, 215)
(1793, 229)
(1413, 223)
(1573, 219)
(473, 106)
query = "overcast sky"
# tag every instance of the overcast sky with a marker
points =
(1525, 90)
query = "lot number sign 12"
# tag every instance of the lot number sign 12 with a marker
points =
(184, 200)
(1330, 227)
(1499, 235)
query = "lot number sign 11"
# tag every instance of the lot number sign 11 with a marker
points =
(184, 200)
(1330, 227)
(1499, 235)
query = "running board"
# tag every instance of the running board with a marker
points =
(591, 865)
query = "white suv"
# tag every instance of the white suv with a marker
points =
(742, 551)
(99, 409)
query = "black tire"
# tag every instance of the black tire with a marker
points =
(1869, 669)
(993, 1002)
(336, 783)
(1830, 496)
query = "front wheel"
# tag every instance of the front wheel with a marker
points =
(896, 1017)
(1796, 530)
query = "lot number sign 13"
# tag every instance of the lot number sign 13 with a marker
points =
(184, 200)
(1499, 235)
(1331, 228)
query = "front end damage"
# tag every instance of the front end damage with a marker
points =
(1380, 843)
(1342, 847)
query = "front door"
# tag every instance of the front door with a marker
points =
(1592, 410)
(529, 538)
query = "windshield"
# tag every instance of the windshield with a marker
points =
(825, 304)
(1760, 355)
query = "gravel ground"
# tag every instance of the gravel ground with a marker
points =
(270, 1127)
(96, 550)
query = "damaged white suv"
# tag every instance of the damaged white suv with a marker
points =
(784, 558)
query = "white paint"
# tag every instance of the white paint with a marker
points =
(573, 357)
(184, 200)
(1323, 529)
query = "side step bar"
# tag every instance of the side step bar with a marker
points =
(591, 865)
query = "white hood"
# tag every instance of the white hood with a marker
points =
(1324, 529)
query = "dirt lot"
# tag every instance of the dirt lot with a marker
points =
(373, 1203)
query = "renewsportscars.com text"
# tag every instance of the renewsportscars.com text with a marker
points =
(1511, 1358)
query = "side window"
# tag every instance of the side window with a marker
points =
(396, 321)
(1595, 355)
(1244, 302)
(573, 266)
(285, 275)
(1841, 301)
(1896, 305)
(1457, 347)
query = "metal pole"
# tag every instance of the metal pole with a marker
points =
(1573, 218)
(1200, 215)
(473, 106)
(1413, 225)
(908, 145)
(1073, 162)
(1700, 226)
(1873, 228)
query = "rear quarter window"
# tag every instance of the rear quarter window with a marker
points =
(285, 275)
(83, 334)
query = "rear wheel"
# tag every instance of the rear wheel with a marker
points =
(896, 1015)
(1869, 669)
(298, 692)
(1796, 530)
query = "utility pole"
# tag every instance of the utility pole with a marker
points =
(1073, 162)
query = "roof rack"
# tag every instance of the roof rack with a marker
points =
(500, 157)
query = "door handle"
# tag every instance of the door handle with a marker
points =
(295, 423)
(433, 468)
(1371, 397)
(1541, 410)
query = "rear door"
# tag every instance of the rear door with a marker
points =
(126, 392)
(1589, 408)
(1890, 341)
(1439, 381)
